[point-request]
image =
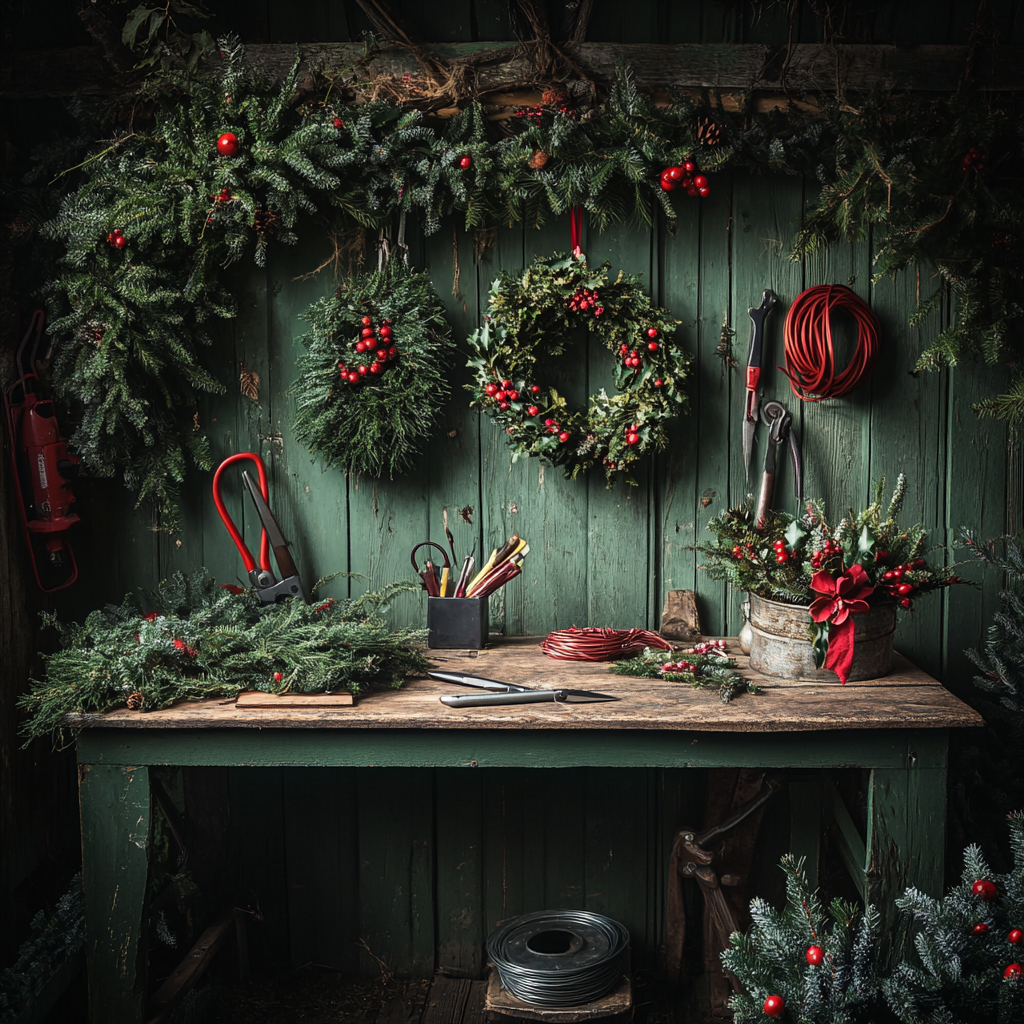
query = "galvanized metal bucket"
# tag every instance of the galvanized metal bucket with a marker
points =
(780, 645)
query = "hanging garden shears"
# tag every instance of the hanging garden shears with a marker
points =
(261, 576)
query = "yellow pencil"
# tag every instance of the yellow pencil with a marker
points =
(488, 565)
(444, 581)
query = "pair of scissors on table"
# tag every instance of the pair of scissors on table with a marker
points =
(510, 693)
(261, 576)
(434, 582)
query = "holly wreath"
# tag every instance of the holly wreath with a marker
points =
(538, 309)
(373, 347)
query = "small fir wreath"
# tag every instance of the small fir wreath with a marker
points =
(372, 347)
(535, 311)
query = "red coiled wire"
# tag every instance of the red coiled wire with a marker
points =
(599, 644)
(810, 357)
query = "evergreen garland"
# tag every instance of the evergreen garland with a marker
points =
(199, 640)
(152, 215)
(532, 316)
(706, 666)
(378, 422)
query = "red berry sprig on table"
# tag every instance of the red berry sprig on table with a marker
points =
(375, 346)
(116, 239)
(686, 177)
(227, 144)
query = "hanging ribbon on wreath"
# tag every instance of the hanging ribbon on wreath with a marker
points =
(373, 349)
(576, 231)
(532, 316)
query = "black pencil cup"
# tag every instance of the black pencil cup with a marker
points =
(457, 622)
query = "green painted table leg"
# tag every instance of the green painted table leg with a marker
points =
(907, 826)
(115, 805)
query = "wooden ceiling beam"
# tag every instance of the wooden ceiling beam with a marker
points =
(503, 67)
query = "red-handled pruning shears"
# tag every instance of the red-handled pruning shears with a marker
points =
(261, 576)
(753, 382)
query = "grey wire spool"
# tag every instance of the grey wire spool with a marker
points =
(559, 957)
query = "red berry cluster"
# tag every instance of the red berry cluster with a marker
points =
(896, 585)
(709, 647)
(116, 239)
(535, 114)
(973, 159)
(504, 395)
(338, 123)
(223, 196)
(677, 666)
(686, 177)
(585, 300)
(824, 554)
(376, 341)
(632, 433)
(631, 357)
(781, 554)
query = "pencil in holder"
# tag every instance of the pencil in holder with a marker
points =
(457, 622)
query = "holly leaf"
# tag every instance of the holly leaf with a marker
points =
(819, 641)
(866, 547)
(796, 533)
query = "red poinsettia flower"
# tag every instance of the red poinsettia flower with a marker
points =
(844, 595)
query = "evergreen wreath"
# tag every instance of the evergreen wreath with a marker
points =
(199, 640)
(534, 312)
(370, 347)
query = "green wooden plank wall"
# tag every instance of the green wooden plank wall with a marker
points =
(415, 867)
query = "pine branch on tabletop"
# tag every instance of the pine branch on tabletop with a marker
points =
(705, 666)
(198, 640)
(966, 964)
(806, 964)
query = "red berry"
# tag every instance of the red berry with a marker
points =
(491, 389)
(624, 348)
(689, 166)
(506, 384)
(227, 144)
(360, 346)
(699, 181)
(513, 395)
(904, 588)
(392, 352)
(466, 162)
(667, 185)
(632, 438)
(120, 241)
(503, 405)
(1015, 937)
(985, 889)
(376, 368)
(534, 388)
(338, 123)
(371, 342)
(533, 410)
(774, 1006)
(673, 173)
(652, 346)
(652, 332)
(704, 192)
(549, 423)
(781, 557)
(1013, 971)
(737, 552)
(563, 436)
(501, 396)
(385, 331)
(367, 322)
(904, 602)
(367, 332)
(353, 377)
(980, 928)
(362, 371)
(814, 954)
(278, 676)
(657, 382)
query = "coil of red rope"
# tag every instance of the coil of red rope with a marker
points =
(810, 354)
(599, 644)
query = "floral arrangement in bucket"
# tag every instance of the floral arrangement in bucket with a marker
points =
(838, 573)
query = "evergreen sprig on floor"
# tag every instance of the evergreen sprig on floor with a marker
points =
(192, 640)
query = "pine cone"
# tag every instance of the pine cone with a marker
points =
(539, 159)
(708, 132)
(134, 701)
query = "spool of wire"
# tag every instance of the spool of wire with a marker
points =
(559, 957)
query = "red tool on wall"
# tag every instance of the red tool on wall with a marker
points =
(42, 470)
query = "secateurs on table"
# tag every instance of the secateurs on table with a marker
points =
(510, 693)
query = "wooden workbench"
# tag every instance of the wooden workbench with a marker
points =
(897, 728)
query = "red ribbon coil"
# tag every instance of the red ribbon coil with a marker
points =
(599, 644)
(810, 356)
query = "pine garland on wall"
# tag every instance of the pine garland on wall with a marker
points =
(227, 164)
